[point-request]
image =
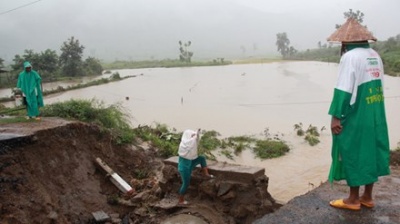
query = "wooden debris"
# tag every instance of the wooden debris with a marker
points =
(114, 177)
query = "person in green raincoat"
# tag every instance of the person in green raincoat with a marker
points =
(29, 81)
(360, 146)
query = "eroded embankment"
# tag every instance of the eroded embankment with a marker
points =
(48, 174)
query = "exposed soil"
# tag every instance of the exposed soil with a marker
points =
(51, 177)
(48, 174)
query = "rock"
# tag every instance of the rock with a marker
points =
(142, 196)
(125, 202)
(141, 211)
(241, 193)
(52, 215)
(166, 203)
(114, 215)
(228, 196)
(224, 188)
(116, 220)
(100, 216)
(208, 187)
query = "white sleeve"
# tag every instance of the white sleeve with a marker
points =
(346, 76)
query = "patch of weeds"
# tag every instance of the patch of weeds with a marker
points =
(224, 145)
(209, 141)
(112, 118)
(312, 130)
(20, 119)
(311, 134)
(227, 153)
(167, 141)
(240, 143)
(241, 139)
(239, 148)
(312, 139)
(299, 129)
(142, 173)
(266, 133)
(112, 199)
(266, 149)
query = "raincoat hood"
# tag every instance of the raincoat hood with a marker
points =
(188, 146)
(27, 64)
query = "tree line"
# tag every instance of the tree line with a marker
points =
(389, 50)
(51, 66)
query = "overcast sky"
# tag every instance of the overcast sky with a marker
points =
(151, 29)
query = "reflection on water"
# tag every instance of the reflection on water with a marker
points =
(244, 100)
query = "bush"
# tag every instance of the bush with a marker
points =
(111, 118)
(266, 149)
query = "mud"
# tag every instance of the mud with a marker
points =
(48, 175)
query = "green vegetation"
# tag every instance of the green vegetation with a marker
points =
(71, 57)
(311, 134)
(389, 50)
(166, 63)
(185, 55)
(358, 15)
(326, 54)
(266, 149)
(390, 53)
(109, 118)
(114, 77)
(256, 60)
(19, 119)
(283, 45)
(51, 66)
(161, 137)
(240, 143)
(167, 141)
(1, 64)
(115, 120)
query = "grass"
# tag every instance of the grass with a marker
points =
(166, 63)
(111, 118)
(311, 134)
(114, 77)
(257, 60)
(16, 111)
(267, 149)
(115, 120)
(11, 120)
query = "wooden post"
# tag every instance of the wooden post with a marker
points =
(120, 183)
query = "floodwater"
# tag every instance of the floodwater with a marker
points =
(244, 100)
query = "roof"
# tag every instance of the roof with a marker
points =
(351, 31)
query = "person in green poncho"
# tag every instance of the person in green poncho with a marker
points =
(29, 81)
(360, 146)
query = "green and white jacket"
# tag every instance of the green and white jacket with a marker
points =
(360, 153)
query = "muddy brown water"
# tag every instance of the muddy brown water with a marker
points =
(243, 100)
